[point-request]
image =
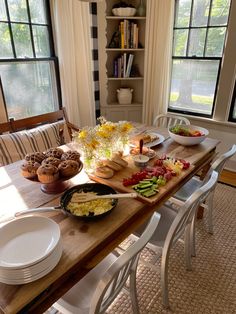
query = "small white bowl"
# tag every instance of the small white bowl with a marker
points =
(189, 140)
(141, 160)
(124, 11)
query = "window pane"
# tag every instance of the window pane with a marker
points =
(219, 12)
(193, 85)
(215, 42)
(234, 111)
(29, 88)
(182, 16)
(37, 11)
(22, 40)
(197, 42)
(180, 42)
(5, 46)
(3, 15)
(41, 41)
(200, 12)
(18, 10)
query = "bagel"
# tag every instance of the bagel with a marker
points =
(113, 165)
(104, 172)
(117, 159)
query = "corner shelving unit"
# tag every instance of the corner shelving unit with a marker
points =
(107, 26)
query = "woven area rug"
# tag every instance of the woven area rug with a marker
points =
(211, 286)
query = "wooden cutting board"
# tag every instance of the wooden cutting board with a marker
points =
(116, 181)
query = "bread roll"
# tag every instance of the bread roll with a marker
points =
(117, 159)
(113, 165)
(104, 172)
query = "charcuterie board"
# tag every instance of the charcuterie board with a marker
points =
(116, 182)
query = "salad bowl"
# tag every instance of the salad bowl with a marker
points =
(188, 135)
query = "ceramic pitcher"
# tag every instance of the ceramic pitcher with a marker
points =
(124, 96)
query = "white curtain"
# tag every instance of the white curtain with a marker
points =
(71, 24)
(159, 36)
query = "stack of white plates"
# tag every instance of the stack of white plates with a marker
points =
(30, 247)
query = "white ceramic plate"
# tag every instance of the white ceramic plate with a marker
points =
(33, 269)
(26, 241)
(159, 140)
(19, 281)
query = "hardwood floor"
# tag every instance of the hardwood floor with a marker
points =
(228, 177)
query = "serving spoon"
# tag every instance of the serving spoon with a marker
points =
(86, 197)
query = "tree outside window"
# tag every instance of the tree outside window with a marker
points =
(28, 66)
(199, 35)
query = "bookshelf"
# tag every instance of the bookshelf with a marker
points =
(114, 56)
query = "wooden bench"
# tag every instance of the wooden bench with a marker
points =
(38, 133)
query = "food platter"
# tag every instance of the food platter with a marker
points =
(159, 139)
(150, 139)
(146, 151)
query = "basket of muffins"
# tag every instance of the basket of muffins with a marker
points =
(52, 168)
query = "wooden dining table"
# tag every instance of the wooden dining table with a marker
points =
(85, 242)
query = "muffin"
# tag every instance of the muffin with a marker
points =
(47, 173)
(68, 168)
(37, 157)
(71, 155)
(29, 169)
(51, 161)
(54, 152)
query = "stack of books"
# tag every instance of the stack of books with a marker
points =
(123, 65)
(128, 35)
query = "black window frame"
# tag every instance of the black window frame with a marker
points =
(53, 58)
(194, 57)
(233, 104)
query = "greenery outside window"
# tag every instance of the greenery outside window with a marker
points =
(199, 35)
(28, 66)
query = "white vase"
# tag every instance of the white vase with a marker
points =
(141, 10)
(124, 96)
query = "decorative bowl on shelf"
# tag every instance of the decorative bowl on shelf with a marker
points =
(188, 135)
(124, 11)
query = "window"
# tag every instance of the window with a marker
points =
(199, 35)
(28, 66)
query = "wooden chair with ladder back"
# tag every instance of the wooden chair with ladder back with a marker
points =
(37, 133)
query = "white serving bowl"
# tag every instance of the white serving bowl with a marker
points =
(124, 11)
(189, 140)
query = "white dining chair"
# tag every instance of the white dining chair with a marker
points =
(97, 290)
(167, 120)
(172, 227)
(194, 183)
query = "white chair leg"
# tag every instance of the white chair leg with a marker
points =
(187, 247)
(210, 213)
(133, 293)
(164, 278)
(192, 237)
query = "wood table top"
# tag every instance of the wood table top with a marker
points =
(85, 242)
